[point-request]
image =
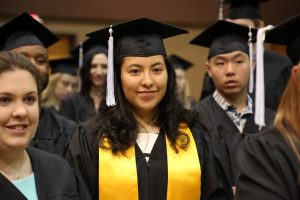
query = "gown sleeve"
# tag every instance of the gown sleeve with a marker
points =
(83, 158)
(267, 169)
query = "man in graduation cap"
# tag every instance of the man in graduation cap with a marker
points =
(269, 163)
(63, 82)
(27, 36)
(277, 67)
(183, 91)
(228, 112)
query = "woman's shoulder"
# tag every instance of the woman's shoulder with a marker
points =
(270, 142)
(270, 137)
(53, 175)
(42, 158)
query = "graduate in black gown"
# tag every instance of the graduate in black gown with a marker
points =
(84, 105)
(228, 112)
(269, 163)
(27, 36)
(143, 144)
(26, 172)
(183, 91)
(276, 66)
(63, 82)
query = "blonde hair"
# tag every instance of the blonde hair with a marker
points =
(288, 114)
(48, 97)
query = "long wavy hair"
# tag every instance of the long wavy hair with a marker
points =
(48, 97)
(288, 113)
(119, 126)
(85, 71)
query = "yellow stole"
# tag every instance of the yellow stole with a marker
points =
(118, 175)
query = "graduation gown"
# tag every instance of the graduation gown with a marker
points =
(54, 179)
(53, 133)
(268, 168)
(225, 136)
(78, 108)
(152, 175)
(277, 73)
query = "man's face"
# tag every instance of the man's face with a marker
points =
(38, 55)
(230, 73)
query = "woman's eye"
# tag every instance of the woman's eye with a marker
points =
(5, 100)
(30, 99)
(134, 71)
(158, 69)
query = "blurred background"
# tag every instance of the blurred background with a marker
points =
(72, 19)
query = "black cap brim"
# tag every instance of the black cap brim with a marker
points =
(139, 37)
(287, 33)
(179, 62)
(224, 37)
(25, 30)
(64, 65)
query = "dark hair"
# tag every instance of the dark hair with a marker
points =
(10, 61)
(85, 73)
(120, 127)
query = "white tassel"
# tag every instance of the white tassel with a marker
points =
(221, 5)
(110, 92)
(251, 81)
(260, 86)
(80, 57)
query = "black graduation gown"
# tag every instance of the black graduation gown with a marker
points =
(277, 73)
(78, 108)
(152, 176)
(54, 179)
(225, 136)
(53, 133)
(268, 168)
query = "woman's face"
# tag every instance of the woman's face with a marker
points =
(19, 109)
(65, 86)
(98, 69)
(144, 82)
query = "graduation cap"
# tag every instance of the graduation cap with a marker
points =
(63, 65)
(179, 62)
(140, 37)
(248, 9)
(89, 46)
(224, 37)
(25, 30)
(287, 33)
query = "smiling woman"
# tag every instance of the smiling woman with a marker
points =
(152, 146)
(19, 164)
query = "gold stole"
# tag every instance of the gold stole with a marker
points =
(118, 175)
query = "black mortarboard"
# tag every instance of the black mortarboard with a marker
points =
(24, 30)
(64, 65)
(139, 37)
(287, 33)
(179, 62)
(248, 9)
(224, 37)
(89, 46)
